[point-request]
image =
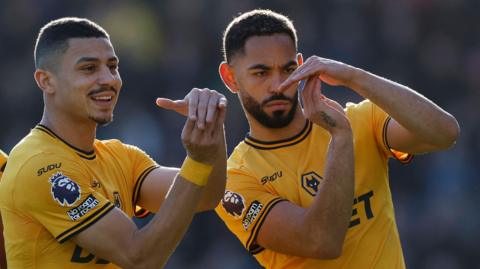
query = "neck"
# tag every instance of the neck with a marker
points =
(260, 132)
(80, 134)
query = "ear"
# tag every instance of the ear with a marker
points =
(44, 80)
(299, 58)
(226, 73)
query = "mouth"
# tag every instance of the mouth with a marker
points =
(103, 98)
(278, 105)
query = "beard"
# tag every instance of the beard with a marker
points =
(102, 121)
(105, 119)
(279, 118)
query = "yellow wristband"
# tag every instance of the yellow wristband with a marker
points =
(195, 172)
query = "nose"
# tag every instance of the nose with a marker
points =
(109, 78)
(277, 79)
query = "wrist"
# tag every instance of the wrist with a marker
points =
(356, 78)
(195, 172)
(345, 134)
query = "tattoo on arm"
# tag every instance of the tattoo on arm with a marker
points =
(328, 120)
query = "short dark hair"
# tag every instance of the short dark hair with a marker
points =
(258, 22)
(53, 38)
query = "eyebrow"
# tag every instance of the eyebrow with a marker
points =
(93, 59)
(265, 67)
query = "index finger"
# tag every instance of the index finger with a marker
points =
(303, 72)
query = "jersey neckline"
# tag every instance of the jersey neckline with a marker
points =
(267, 145)
(89, 155)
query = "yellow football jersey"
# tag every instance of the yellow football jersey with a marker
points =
(51, 191)
(261, 174)
(3, 162)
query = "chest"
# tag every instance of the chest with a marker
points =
(297, 173)
(107, 176)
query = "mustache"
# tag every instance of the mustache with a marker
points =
(103, 89)
(276, 98)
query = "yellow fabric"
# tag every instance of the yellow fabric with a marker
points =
(3, 161)
(195, 172)
(262, 174)
(51, 191)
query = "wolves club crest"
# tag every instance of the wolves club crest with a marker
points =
(233, 203)
(64, 190)
(311, 182)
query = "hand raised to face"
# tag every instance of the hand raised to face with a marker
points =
(321, 110)
(329, 71)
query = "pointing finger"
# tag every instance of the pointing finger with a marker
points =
(179, 106)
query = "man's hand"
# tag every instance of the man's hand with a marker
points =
(199, 105)
(203, 132)
(321, 110)
(329, 71)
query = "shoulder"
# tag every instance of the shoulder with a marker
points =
(28, 166)
(358, 110)
(115, 145)
(241, 157)
(37, 154)
(109, 143)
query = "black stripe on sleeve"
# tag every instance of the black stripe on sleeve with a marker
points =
(404, 158)
(85, 223)
(3, 167)
(251, 244)
(138, 184)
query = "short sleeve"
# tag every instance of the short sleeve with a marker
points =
(244, 207)
(378, 120)
(3, 162)
(142, 164)
(56, 193)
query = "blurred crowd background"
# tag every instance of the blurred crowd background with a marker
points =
(168, 47)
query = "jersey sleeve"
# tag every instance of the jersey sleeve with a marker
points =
(379, 120)
(244, 207)
(55, 192)
(142, 164)
(3, 162)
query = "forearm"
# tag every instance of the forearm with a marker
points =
(215, 187)
(328, 217)
(413, 111)
(154, 243)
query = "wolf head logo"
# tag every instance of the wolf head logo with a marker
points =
(233, 203)
(64, 190)
(311, 182)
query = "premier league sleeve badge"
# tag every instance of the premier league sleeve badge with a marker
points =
(64, 190)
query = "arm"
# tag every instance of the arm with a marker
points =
(116, 238)
(319, 231)
(418, 125)
(157, 183)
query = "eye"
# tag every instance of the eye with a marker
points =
(89, 68)
(113, 67)
(290, 70)
(260, 73)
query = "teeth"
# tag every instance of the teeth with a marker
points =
(103, 98)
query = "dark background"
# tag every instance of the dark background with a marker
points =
(168, 47)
